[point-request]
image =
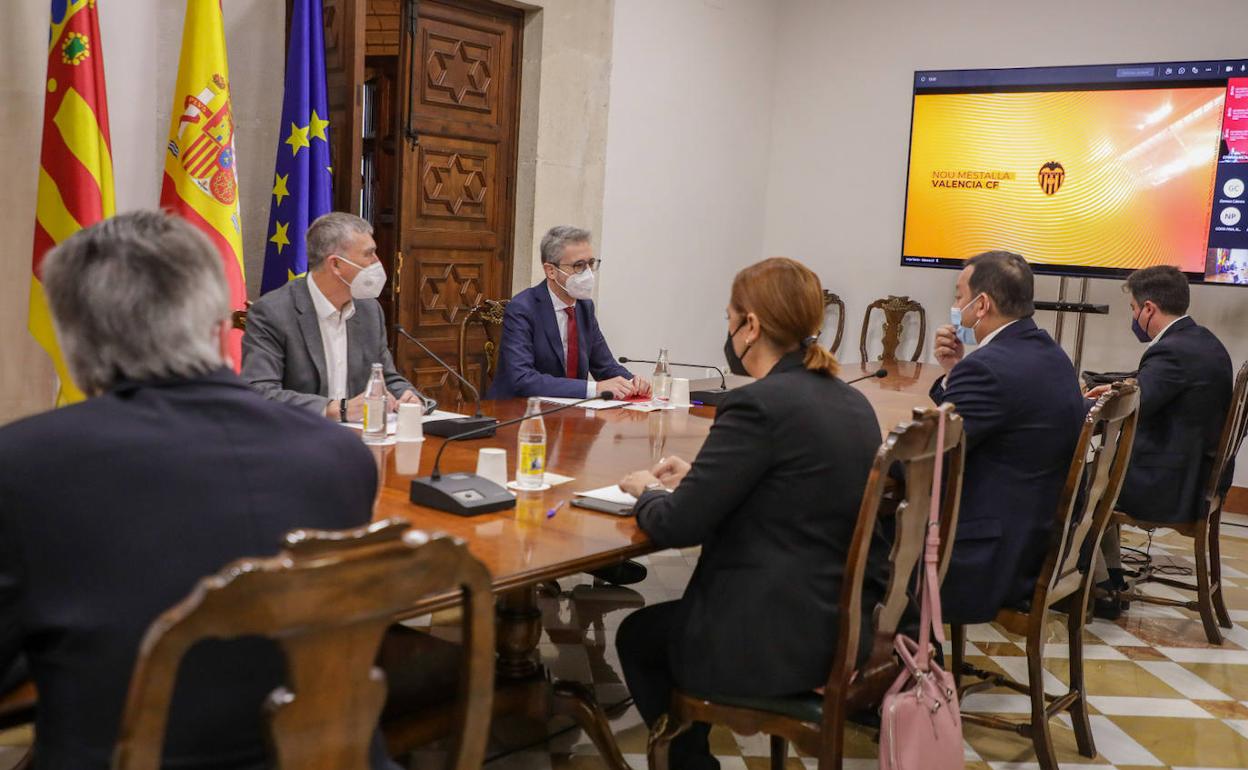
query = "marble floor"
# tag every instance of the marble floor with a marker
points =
(1160, 695)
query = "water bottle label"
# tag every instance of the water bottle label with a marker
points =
(532, 459)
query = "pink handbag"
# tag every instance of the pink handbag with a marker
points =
(920, 724)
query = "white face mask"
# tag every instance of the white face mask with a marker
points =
(368, 282)
(579, 285)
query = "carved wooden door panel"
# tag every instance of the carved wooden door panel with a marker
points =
(456, 188)
(344, 79)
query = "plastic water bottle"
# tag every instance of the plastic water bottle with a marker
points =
(662, 384)
(531, 454)
(375, 407)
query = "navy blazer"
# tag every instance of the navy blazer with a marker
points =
(1185, 390)
(531, 358)
(1022, 411)
(111, 510)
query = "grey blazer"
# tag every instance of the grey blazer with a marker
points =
(284, 356)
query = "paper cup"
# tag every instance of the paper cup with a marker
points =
(680, 392)
(492, 465)
(407, 458)
(411, 422)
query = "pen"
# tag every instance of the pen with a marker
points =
(696, 403)
(551, 513)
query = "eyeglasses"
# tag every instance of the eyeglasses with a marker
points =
(580, 265)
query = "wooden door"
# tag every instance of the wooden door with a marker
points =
(344, 81)
(460, 75)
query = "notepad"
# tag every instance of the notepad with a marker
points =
(392, 420)
(587, 404)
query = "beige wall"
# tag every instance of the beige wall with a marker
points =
(841, 120)
(141, 41)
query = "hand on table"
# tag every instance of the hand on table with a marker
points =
(618, 386)
(948, 348)
(635, 482)
(1095, 393)
(410, 397)
(641, 386)
(670, 471)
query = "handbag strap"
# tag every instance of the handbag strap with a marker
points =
(929, 592)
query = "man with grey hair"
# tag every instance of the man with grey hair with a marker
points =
(312, 342)
(113, 509)
(551, 344)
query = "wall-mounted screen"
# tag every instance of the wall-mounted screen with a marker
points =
(1096, 170)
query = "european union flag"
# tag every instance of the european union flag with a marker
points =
(303, 180)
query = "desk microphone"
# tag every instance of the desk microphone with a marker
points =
(723, 381)
(457, 425)
(467, 494)
(879, 373)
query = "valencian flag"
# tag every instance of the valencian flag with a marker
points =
(302, 180)
(201, 181)
(76, 163)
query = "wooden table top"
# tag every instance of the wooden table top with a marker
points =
(523, 546)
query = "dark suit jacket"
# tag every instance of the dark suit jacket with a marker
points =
(284, 354)
(112, 509)
(1022, 411)
(772, 498)
(1185, 390)
(531, 360)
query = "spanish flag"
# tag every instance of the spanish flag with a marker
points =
(201, 181)
(75, 164)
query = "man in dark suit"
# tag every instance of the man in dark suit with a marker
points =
(111, 510)
(552, 345)
(1185, 382)
(1021, 407)
(313, 342)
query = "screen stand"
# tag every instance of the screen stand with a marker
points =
(1082, 308)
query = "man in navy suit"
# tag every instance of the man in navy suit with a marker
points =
(1185, 391)
(1022, 410)
(552, 345)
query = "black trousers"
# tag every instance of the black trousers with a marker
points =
(642, 642)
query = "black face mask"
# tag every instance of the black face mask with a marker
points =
(735, 365)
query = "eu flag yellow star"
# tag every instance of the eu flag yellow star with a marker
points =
(298, 138)
(280, 238)
(318, 127)
(279, 188)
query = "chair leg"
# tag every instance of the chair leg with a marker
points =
(1215, 567)
(958, 634)
(661, 736)
(1204, 593)
(1041, 738)
(1079, 709)
(779, 752)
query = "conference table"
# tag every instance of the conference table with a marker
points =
(528, 546)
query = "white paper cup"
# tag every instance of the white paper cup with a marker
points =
(407, 458)
(680, 392)
(492, 465)
(411, 422)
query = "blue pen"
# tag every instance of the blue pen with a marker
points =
(696, 403)
(551, 513)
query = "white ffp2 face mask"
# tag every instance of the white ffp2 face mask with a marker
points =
(368, 282)
(579, 285)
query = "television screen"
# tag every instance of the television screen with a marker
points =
(1096, 170)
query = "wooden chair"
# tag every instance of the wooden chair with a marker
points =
(239, 317)
(815, 722)
(327, 599)
(829, 300)
(1205, 530)
(489, 316)
(895, 311)
(1092, 486)
(17, 708)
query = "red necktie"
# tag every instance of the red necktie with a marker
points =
(574, 343)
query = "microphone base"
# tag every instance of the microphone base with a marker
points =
(711, 397)
(460, 425)
(461, 494)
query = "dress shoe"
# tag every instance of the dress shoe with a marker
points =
(1107, 601)
(626, 573)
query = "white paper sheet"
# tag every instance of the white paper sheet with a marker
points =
(587, 404)
(392, 420)
(612, 494)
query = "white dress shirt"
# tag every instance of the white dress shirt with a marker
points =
(561, 320)
(1163, 331)
(333, 324)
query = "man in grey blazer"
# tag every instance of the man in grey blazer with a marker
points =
(312, 343)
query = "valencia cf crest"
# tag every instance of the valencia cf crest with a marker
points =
(1051, 177)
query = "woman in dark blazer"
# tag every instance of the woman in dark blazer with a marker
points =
(772, 498)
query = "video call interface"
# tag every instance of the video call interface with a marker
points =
(1096, 170)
